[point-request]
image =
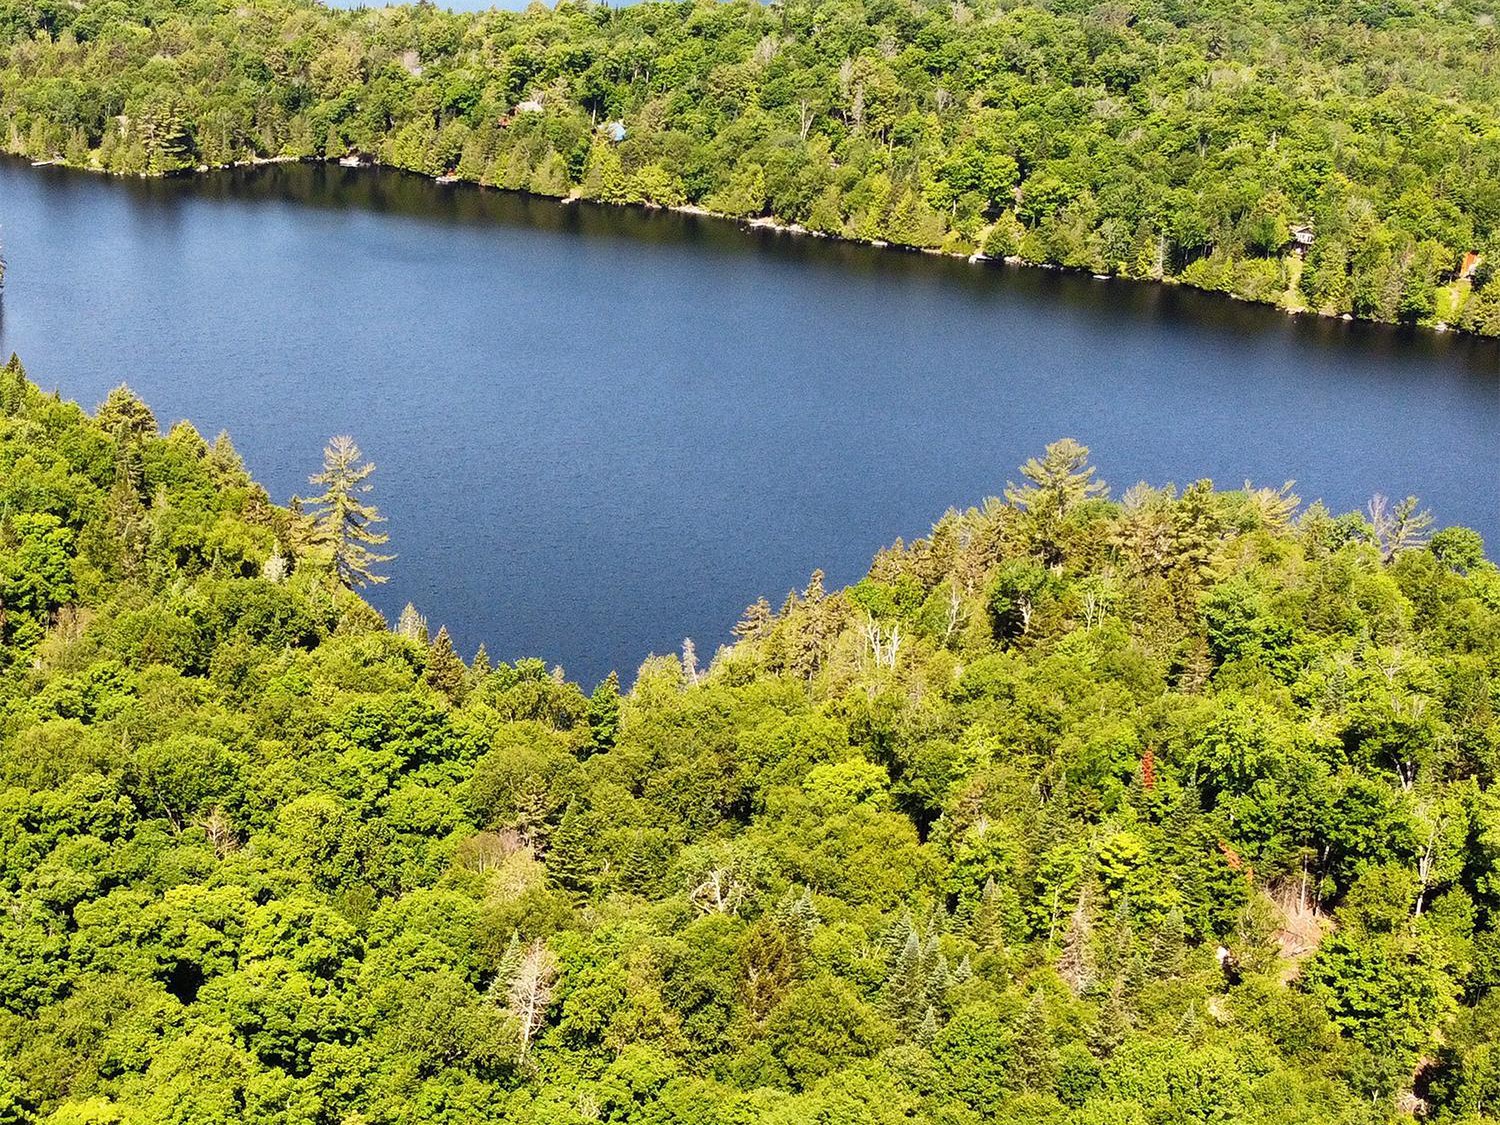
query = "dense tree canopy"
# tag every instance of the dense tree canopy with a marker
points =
(1179, 807)
(1149, 138)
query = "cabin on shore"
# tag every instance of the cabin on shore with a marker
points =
(1468, 265)
(1302, 235)
(614, 130)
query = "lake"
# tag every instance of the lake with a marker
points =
(600, 430)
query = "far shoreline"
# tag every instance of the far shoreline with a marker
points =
(769, 223)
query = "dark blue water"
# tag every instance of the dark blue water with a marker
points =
(601, 430)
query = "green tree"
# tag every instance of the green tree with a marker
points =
(344, 521)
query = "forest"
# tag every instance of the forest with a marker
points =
(1339, 157)
(1149, 806)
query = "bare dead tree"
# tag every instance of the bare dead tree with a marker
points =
(529, 990)
(882, 643)
(1399, 527)
(719, 892)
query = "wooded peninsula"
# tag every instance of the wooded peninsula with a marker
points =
(1166, 809)
(1339, 157)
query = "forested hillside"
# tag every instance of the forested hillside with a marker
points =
(1172, 808)
(1341, 156)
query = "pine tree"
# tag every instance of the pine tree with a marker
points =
(125, 417)
(905, 986)
(604, 714)
(129, 523)
(1076, 964)
(1034, 1055)
(1111, 1025)
(166, 135)
(927, 1030)
(445, 671)
(1060, 480)
(567, 855)
(412, 625)
(345, 522)
(479, 668)
(755, 621)
(12, 387)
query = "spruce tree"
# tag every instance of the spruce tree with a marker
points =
(480, 667)
(927, 1030)
(1111, 1025)
(1034, 1056)
(1169, 946)
(412, 625)
(604, 714)
(567, 857)
(755, 621)
(345, 522)
(124, 416)
(445, 671)
(1076, 964)
(906, 985)
(128, 520)
(12, 387)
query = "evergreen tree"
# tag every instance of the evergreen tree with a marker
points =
(480, 667)
(906, 987)
(756, 620)
(128, 520)
(445, 671)
(984, 929)
(345, 522)
(412, 625)
(927, 1031)
(125, 417)
(1034, 1053)
(797, 915)
(1059, 481)
(225, 460)
(567, 855)
(12, 387)
(1169, 946)
(1076, 964)
(1111, 1025)
(604, 714)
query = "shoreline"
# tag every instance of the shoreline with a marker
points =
(764, 223)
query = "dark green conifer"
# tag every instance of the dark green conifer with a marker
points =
(445, 669)
(12, 387)
(604, 714)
